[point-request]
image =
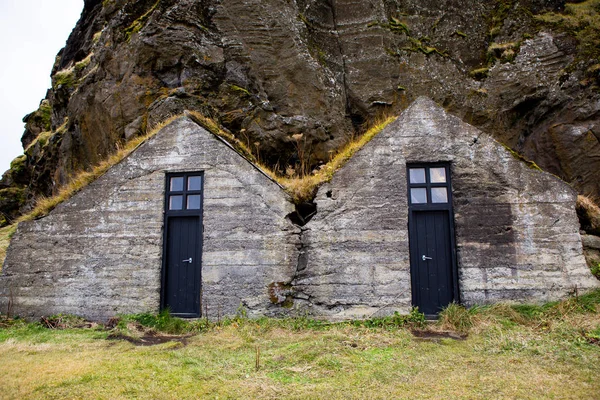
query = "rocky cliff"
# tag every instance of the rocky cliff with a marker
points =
(296, 79)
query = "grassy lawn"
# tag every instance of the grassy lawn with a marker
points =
(495, 352)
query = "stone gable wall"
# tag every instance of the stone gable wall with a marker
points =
(99, 253)
(516, 228)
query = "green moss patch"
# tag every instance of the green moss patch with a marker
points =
(505, 52)
(581, 20)
(139, 23)
(65, 78)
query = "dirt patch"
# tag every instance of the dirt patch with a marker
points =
(149, 339)
(435, 336)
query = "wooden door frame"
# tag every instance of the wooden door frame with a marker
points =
(412, 208)
(167, 215)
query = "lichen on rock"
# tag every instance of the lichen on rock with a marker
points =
(525, 72)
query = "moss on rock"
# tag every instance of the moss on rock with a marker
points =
(581, 20)
(11, 200)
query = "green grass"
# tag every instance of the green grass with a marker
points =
(64, 78)
(581, 20)
(509, 353)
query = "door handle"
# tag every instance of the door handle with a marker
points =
(424, 258)
(189, 260)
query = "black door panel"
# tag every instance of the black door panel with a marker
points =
(431, 261)
(182, 278)
(182, 251)
(431, 237)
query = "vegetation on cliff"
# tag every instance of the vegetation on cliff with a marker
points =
(294, 86)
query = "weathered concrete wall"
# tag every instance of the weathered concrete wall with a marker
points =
(516, 227)
(99, 253)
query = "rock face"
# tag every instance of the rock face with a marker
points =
(100, 253)
(273, 70)
(516, 229)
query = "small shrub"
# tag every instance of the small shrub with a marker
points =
(64, 321)
(457, 317)
(162, 322)
(64, 79)
(596, 270)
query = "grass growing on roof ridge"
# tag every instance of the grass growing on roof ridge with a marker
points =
(301, 188)
(46, 204)
(212, 126)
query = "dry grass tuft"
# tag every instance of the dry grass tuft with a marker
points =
(589, 214)
(46, 204)
(458, 318)
(5, 235)
(303, 188)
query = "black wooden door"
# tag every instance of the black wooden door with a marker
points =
(431, 237)
(182, 278)
(431, 261)
(182, 251)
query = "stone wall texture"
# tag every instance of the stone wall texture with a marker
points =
(516, 228)
(99, 253)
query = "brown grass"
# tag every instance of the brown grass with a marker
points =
(301, 188)
(46, 204)
(304, 186)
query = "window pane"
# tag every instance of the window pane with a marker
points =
(417, 175)
(437, 175)
(439, 195)
(175, 202)
(194, 183)
(176, 184)
(418, 195)
(193, 202)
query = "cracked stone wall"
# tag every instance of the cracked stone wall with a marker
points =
(99, 253)
(516, 228)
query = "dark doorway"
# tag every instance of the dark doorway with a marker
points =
(431, 237)
(182, 262)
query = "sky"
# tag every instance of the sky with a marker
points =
(31, 34)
